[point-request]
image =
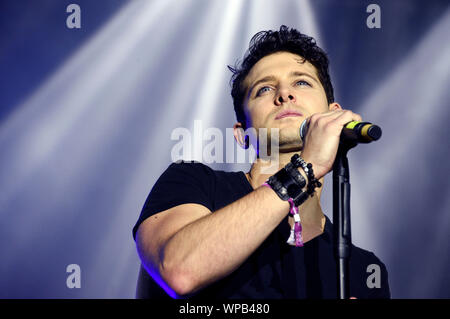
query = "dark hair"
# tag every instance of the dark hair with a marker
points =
(265, 43)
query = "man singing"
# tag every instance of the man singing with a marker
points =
(204, 233)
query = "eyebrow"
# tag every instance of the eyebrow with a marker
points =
(270, 78)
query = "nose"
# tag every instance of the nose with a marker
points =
(283, 96)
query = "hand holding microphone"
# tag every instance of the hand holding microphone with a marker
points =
(322, 132)
(355, 131)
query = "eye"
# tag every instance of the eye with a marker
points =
(262, 90)
(302, 83)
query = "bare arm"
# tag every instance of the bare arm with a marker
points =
(189, 248)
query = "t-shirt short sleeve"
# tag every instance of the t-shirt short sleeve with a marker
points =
(181, 183)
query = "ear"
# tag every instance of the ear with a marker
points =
(334, 106)
(239, 135)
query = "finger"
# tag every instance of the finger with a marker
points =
(347, 116)
(334, 114)
(333, 120)
(325, 116)
(323, 119)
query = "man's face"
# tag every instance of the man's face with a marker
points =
(283, 90)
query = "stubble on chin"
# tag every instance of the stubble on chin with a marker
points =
(285, 140)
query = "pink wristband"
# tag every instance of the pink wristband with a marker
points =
(297, 223)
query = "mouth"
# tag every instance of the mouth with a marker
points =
(288, 113)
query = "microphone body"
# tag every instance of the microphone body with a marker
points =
(354, 132)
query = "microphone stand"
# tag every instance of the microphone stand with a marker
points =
(341, 217)
(353, 133)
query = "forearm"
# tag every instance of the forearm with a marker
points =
(213, 246)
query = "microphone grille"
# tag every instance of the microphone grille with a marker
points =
(303, 129)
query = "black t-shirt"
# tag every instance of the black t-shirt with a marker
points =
(276, 269)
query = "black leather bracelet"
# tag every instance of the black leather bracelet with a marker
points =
(276, 185)
(295, 174)
(288, 183)
(300, 198)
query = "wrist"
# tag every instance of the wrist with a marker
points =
(307, 168)
(302, 172)
(319, 172)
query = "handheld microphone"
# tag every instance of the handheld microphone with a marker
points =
(356, 132)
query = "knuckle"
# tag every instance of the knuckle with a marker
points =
(321, 121)
(348, 113)
(314, 117)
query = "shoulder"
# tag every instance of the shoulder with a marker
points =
(367, 260)
(187, 173)
(181, 183)
(365, 255)
(372, 271)
(183, 177)
(195, 182)
(189, 167)
(193, 170)
(191, 182)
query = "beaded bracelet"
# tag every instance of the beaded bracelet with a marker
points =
(313, 183)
